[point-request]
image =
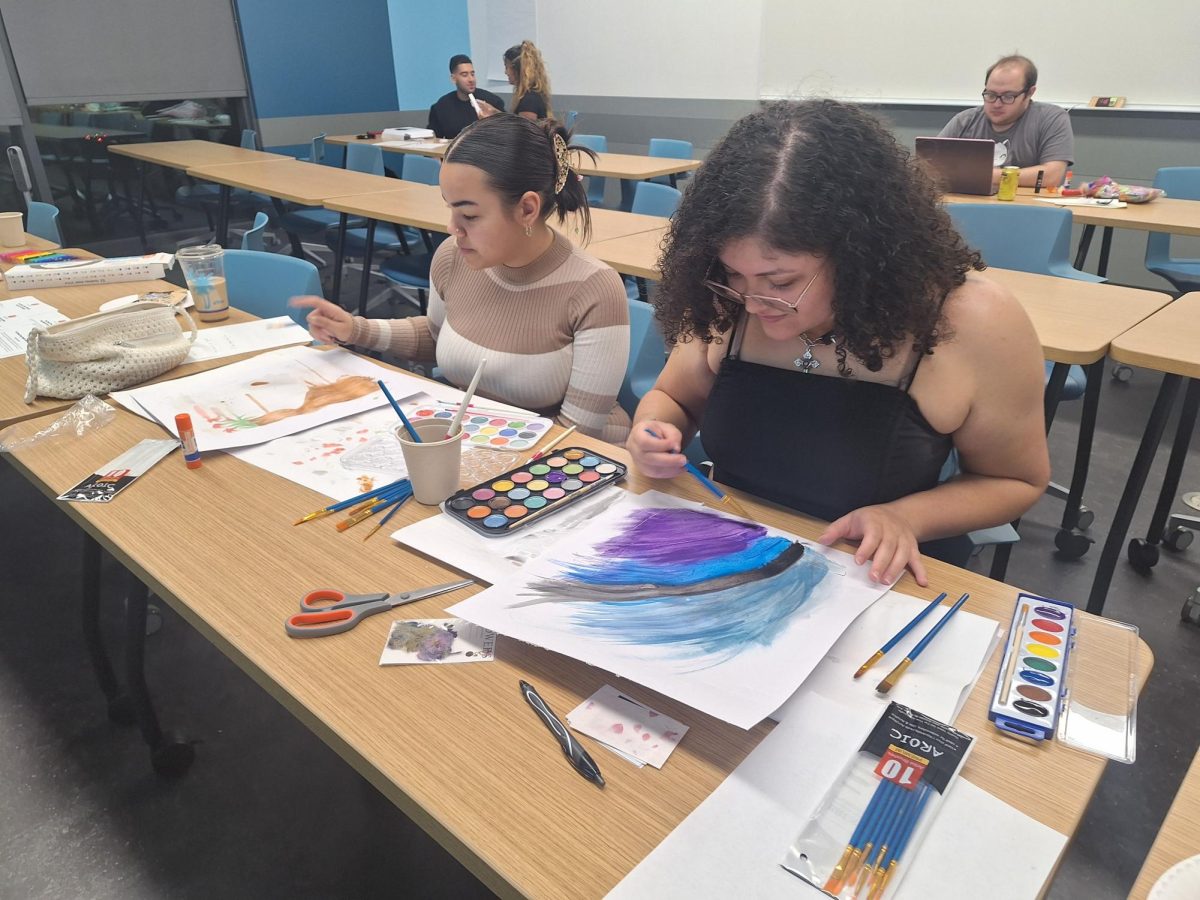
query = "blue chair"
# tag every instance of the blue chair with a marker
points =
(262, 283)
(43, 221)
(207, 197)
(650, 199)
(252, 238)
(647, 356)
(410, 270)
(422, 169)
(599, 144)
(570, 119)
(1180, 183)
(670, 149)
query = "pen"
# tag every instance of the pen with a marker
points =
(571, 748)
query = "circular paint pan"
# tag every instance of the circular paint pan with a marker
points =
(1041, 665)
(1037, 678)
(499, 502)
(556, 462)
(536, 502)
(479, 512)
(539, 469)
(589, 462)
(443, 414)
(606, 468)
(423, 412)
(1047, 625)
(479, 439)
(1050, 612)
(528, 434)
(518, 493)
(1045, 638)
(538, 484)
(520, 478)
(537, 426)
(518, 444)
(574, 455)
(572, 484)
(556, 477)
(478, 420)
(572, 469)
(517, 425)
(461, 503)
(1031, 709)
(508, 432)
(470, 429)
(488, 429)
(515, 511)
(498, 441)
(502, 485)
(498, 422)
(588, 476)
(1042, 651)
(496, 520)
(483, 494)
(554, 493)
(1029, 692)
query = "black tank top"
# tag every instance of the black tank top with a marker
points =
(823, 445)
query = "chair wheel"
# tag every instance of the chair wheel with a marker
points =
(173, 757)
(1191, 608)
(1085, 518)
(120, 711)
(1121, 373)
(1143, 555)
(1178, 538)
(1072, 544)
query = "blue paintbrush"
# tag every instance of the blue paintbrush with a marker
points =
(879, 654)
(890, 682)
(412, 432)
(725, 500)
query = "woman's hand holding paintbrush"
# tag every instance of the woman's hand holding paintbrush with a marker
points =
(657, 448)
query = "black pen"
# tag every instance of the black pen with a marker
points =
(571, 748)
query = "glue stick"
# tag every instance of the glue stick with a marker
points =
(187, 437)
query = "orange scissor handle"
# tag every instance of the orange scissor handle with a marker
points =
(326, 622)
(324, 598)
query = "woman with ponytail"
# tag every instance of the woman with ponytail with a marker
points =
(552, 321)
(526, 72)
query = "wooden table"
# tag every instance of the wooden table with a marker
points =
(1178, 838)
(1167, 342)
(456, 748)
(422, 206)
(74, 302)
(1165, 215)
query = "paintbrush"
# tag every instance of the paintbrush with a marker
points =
(412, 432)
(456, 423)
(554, 443)
(391, 512)
(724, 499)
(354, 501)
(879, 654)
(890, 682)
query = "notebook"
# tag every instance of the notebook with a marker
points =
(961, 165)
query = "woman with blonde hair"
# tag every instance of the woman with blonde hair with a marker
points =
(526, 72)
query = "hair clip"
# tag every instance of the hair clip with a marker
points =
(562, 162)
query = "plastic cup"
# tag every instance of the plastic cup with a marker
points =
(12, 229)
(204, 269)
(433, 464)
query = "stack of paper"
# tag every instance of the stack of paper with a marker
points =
(18, 317)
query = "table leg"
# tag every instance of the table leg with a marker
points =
(338, 258)
(1133, 489)
(223, 216)
(1083, 450)
(1105, 247)
(627, 189)
(1085, 241)
(368, 253)
(1183, 440)
(1053, 392)
(119, 709)
(280, 212)
(141, 223)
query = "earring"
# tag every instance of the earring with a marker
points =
(528, 231)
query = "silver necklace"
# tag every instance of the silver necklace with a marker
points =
(806, 362)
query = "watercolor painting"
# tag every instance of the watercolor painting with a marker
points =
(726, 615)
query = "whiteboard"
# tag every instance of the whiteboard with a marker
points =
(922, 50)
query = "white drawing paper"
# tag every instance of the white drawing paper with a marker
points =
(18, 317)
(246, 337)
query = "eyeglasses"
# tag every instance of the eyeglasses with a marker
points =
(1007, 99)
(725, 292)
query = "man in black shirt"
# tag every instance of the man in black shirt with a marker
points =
(453, 112)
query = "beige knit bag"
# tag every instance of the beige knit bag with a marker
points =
(106, 351)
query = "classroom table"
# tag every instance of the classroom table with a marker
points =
(422, 206)
(1167, 342)
(629, 167)
(1178, 838)
(1164, 214)
(456, 748)
(183, 155)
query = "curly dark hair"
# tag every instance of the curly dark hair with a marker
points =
(826, 178)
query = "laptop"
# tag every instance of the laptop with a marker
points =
(961, 165)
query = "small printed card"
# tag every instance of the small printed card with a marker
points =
(437, 641)
(102, 486)
(629, 728)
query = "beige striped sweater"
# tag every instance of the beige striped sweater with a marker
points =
(555, 333)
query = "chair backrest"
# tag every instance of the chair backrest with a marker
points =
(262, 283)
(252, 238)
(670, 148)
(1025, 238)
(422, 169)
(651, 199)
(570, 119)
(647, 356)
(249, 139)
(1180, 183)
(364, 158)
(316, 150)
(43, 221)
(599, 144)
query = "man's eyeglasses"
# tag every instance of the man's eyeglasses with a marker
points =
(1007, 99)
(725, 292)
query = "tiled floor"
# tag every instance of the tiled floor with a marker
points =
(269, 811)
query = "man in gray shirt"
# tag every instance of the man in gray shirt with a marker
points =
(1034, 136)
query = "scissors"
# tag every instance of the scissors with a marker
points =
(327, 611)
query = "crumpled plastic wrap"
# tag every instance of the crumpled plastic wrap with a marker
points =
(86, 415)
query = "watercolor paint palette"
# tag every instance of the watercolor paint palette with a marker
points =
(1033, 674)
(533, 491)
(490, 429)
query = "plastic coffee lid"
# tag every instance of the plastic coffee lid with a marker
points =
(1180, 882)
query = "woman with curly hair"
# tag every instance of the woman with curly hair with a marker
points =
(526, 72)
(833, 343)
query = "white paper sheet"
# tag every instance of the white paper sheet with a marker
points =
(268, 396)
(18, 317)
(937, 684)
(730, 846)
(742, 681)
(246, 337)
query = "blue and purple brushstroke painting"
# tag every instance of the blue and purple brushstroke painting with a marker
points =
(697, 584)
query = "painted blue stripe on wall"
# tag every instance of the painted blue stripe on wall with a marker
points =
(424, 37)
